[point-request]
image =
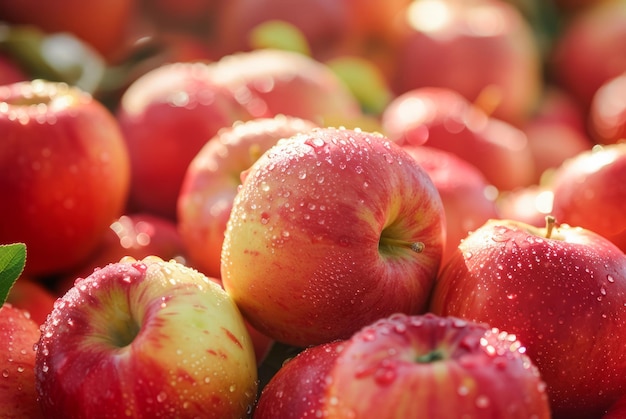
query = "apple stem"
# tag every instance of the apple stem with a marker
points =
(431, 356)
(550, 223)
(417, 247)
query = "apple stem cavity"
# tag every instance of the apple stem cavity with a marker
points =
(432, 356)
(417, 247)
(550, 224)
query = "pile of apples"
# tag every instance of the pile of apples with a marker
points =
(313, 208)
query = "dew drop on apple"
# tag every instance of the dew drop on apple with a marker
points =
(482, 402)
(5, 373)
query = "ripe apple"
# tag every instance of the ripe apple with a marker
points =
(607, 112)
(441, 118)
(167, 115)
(156, 338)
(10, 71)
(32, 296)
(481, 49)
(276, 82)
(468, 199)
(451, 368)
(18, 334)
(588, 192)
(584, 55)
(331, 229)
(530, 204)
(212, 179)
(617, 409)
(65, 173)
(561, 291)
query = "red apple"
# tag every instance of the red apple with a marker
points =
(145, 338)
(530, 204)
(212, 179)
(65, 173)
(468, 199)
(409, 367)
(607, 112)
(32, 296)
(101, 23)
(584, 55)
(473, 48)
(283, 82)
(331, 229)
(167, 115)
(18, 334)
(10, 72)
(561, 291)
(589, 192)
(441, 118)
(617, 409)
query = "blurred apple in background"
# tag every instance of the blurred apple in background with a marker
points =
(530, 204)
(331, 230)
(468, 199)
(607, 112)
(561, 291)
(157, 338)
(166, 116)
(32, 296)
(18, 334)
(10, 71)
(590, 191)
(441, 118)
(65, 173)
(213, 178)
(584, 55)
(485, 50)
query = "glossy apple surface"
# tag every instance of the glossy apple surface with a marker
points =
(607, 112)
(331, 230)
(561, 291)
(18, 334)
(213, 177)
(65, 173)
(158, 339)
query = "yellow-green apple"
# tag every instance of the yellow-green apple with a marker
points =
(167, 115)
(145, 338)
(561, 291)
(485, 50)
(136, 235)
(212, 179)
(276, 82)
(468, 199)
(442, 118)
(607, 111)
(584, 54)
(33, 296)
(101, 23)
(330, 230)
(65, 172)
(18, 334)
(589, 192)
(413, 366)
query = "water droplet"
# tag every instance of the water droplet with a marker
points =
(463, 391)
(5, 373)
(610, 279)
(161, 397)
(482, 402)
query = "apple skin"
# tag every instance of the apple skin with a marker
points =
(170, 106)
(530, 204)
(468, 199)
(562, 294)
(441, 118)
(617, 409)
(212, 179)
(450, 367)
(10, 71)
(158, 339)
(32, 296)
(607, 112)
(309, 253)
(589, 192)
(65, 173)
(472, 48)
(18, 334)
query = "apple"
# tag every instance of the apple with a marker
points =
(588, 192)
(212, 179)
(584, 54)
(468, 199)
(166, 116)
(410, 366)
(156, 338)
(276, 82)
(18, 334)
(101, 23)
(10, 71)
(530, 204)
(481, 49)
(65, 173)
(607, 112)
(330, 230)
(441, 118)
(560, 290)
(34, 296)
(617, 409)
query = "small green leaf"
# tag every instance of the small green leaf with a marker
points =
(12, 262)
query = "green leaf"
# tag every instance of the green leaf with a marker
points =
(12, 262)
